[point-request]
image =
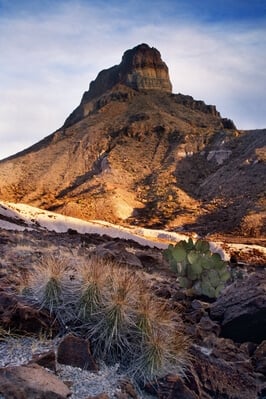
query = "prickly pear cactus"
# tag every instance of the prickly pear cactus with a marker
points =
(197, 267)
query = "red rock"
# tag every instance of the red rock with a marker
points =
(75, 351)
(212, 375)
(31, 382)
(47, 360)
(173, 387)
(16, 313)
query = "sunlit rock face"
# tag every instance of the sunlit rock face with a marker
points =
(141, 68)
(134, 151)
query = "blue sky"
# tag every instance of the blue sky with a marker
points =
(51, 50)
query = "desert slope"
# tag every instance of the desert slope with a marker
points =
(132, 152)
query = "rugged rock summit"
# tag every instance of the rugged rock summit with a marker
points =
(134, 151)
(141, 68)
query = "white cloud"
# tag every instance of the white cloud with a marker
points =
(48, 61)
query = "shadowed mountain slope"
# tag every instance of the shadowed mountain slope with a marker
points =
(133, 151)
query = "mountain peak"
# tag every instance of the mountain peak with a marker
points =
(141, 68)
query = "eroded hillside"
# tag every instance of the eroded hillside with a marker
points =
(132, 151)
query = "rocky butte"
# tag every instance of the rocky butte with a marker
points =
(134, 152)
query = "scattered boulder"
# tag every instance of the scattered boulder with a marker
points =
(207, 326)
(75, 351)
(241, 309)
(16, 313)
(46, 360)
(31, 382)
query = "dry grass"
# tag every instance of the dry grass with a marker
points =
(115, 308)
(114, 321)
(48, 282)
(161, 345)
(93, 276)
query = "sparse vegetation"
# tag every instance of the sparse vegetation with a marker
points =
(113, 307)
(163, 347)
(90, 296)
(198, 269)
(48, 282)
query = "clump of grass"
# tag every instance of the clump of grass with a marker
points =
(92, 278)
(113, 306)
(7, 333)
(160, 352)
(113, 322)
(129, 325)
(161, 346)
(4, 334)
(48, 282)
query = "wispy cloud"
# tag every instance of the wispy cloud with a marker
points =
(49, 57)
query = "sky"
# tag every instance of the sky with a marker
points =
(51, 50)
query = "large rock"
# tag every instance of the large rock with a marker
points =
(31, 382)
(133, 151)
(75, 351)
(141, 68)
(212, 376)
(241, 309)
(17, 314)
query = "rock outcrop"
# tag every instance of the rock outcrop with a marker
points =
(242, 309)
(75, 351)
(141, 68)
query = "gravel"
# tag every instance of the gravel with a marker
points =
(19, 351)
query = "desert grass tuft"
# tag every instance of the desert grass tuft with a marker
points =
(113, 322)
(117, 311)
(48, 282)
(159, 346)
(93, 276)
(160, 353)
(7, 333)
(4, 334)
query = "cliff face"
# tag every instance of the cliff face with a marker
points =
(141, 68)
(134, 151)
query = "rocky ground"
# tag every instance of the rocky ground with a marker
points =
(227, 335)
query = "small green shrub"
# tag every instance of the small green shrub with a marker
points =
(198, 269)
